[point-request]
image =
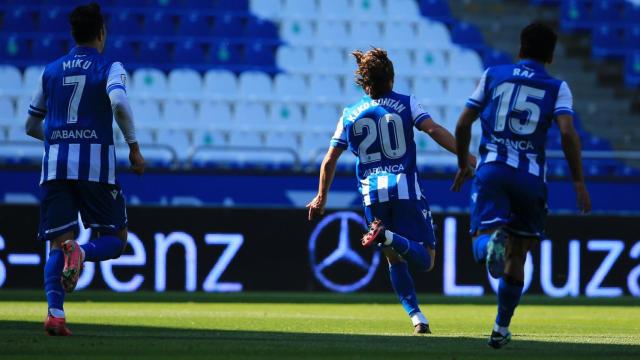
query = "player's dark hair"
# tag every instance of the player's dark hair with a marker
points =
(538, 42)
(86, 23)
(375, 72)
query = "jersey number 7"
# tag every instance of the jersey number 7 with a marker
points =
(77, 81)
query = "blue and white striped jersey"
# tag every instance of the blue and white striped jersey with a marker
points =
(517, 105)
(73, 99)
(380, 133)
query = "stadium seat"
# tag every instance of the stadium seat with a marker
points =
(180, 113)
(146, 112)
(575, 15)
(159, 23)
(54, 21)
(47, 49)
(299, 9)
(18, 134)
(402, 62)
(237, 6)
(289, 87)
(261, 57)
(398, 35)
(402, 10)
(431, 62)
(353, 91)
(178, 140)
(297, 32)
(220, 84)
(214, 115)
(322, 117)
(631, 12)
(293, 59)
(365, 34)
(313, 146)
(189, 53)
(466, 63)
(459, 90)
(286, 116)
(185, 83)
(31, 77)
(7, 113)
(496, 57)
(250, 115)
(433, 35)
(255, 85)
(268, 9)
(436, 10)
(429, 90)
(209, 138)
(367, 10)
(402, 84)
(631, 37)
(286, 140)
(125, 22)
(225, 54)
(121, 49)
(155, 52)
(608, 41)
(632, 69)
(335, 9)
(149, 82)
(332, 33)
(194, 23)
(325, 88)
(260, 29)
(607, 11)
(467, 35)
(14, 49)
(245, 139)
(228, 25)
(329, 60)
(19, 19)
(10, 80)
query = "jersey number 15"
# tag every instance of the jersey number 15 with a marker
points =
(505, 92)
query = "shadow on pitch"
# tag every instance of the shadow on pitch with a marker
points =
(27, 340)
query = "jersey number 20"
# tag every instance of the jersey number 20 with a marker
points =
(381, 128)
(77, 81)
(522, 104)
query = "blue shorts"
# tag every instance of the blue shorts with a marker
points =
(408, 218)
(502, 196)
(101, 206)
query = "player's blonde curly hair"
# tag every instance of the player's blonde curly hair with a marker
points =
(375, 72)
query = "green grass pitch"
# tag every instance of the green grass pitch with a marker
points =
(311, 326)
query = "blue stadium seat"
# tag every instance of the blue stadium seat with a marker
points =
(608, 40)
(632, 37)
(121, 49)
(225, 54)
(124, 22)
(48, 48)
(575, 15)
(631, 13)
(159, 23)
(496, 57)
(228, 26)
(262, 29)
(14, 48)
(437, 10)
(467, 35)
(194, 23)
(227, 6)
(261, 55)
(607, 11)
(19, 19)
(54, 20)
(189, 52)
(632, 69)
(545, 2)
(153, 52)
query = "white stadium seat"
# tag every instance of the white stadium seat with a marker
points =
(297, 32)
(209, 138)
(322, 117)
(255, 85)
(330, 61)
(7, 112)
(185, 82)
(245, 138)
(148, 82)
(332, 33)
(179, 112)
(31, 77)
(286, 115)
(325, 88)
(314, 145)
(10, 80)
(365, 34)
(269, 9)
(250, 114)
(214, 115)
(335, 9)
(146, 112)
(398, 34)
(402, 10)
(402, 85)
(466, 63)
(299, 9)
(367, 10)
(220, 84)
(290, 87)
(433, 35)
(17, 133)
(352, 91)
(178, 140)
(402, 62)
(293, 59)
(429, 91)
(281, 140)
(460, 89)
(431, 62)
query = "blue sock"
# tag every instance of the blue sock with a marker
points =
(103, 248)
(415, 253)
(403, 286)
(480, 247)
(508, 298)
(52, 279)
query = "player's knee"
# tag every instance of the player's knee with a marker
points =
(432, 260)
(58, 241)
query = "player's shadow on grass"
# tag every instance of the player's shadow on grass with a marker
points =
(92, 341)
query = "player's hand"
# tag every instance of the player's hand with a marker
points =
(316, 207)
(136, 159)
(461, 176)
(583, 198)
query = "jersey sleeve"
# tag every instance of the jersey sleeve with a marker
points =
(117, 78)
(418, 113)
(339, 139)
(564, 102)
(38, 105)
(477, 99)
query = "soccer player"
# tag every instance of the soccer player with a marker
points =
(378, 129)
(77, 97)
(516, 104)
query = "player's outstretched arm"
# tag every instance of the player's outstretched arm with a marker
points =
(327, 172)
(463, 139)
(571, 147)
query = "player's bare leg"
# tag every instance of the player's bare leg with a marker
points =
(55, 323)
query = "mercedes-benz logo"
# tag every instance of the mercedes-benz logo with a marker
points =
(343, 252)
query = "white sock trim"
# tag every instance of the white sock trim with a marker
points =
(501, 329)
(56, 313)
(419, 318)
(388, 235)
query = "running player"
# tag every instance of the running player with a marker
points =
(378, 129)
(77, 97)
(517, 104)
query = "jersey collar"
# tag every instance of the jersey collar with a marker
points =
(533, 65)
(84, 50)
